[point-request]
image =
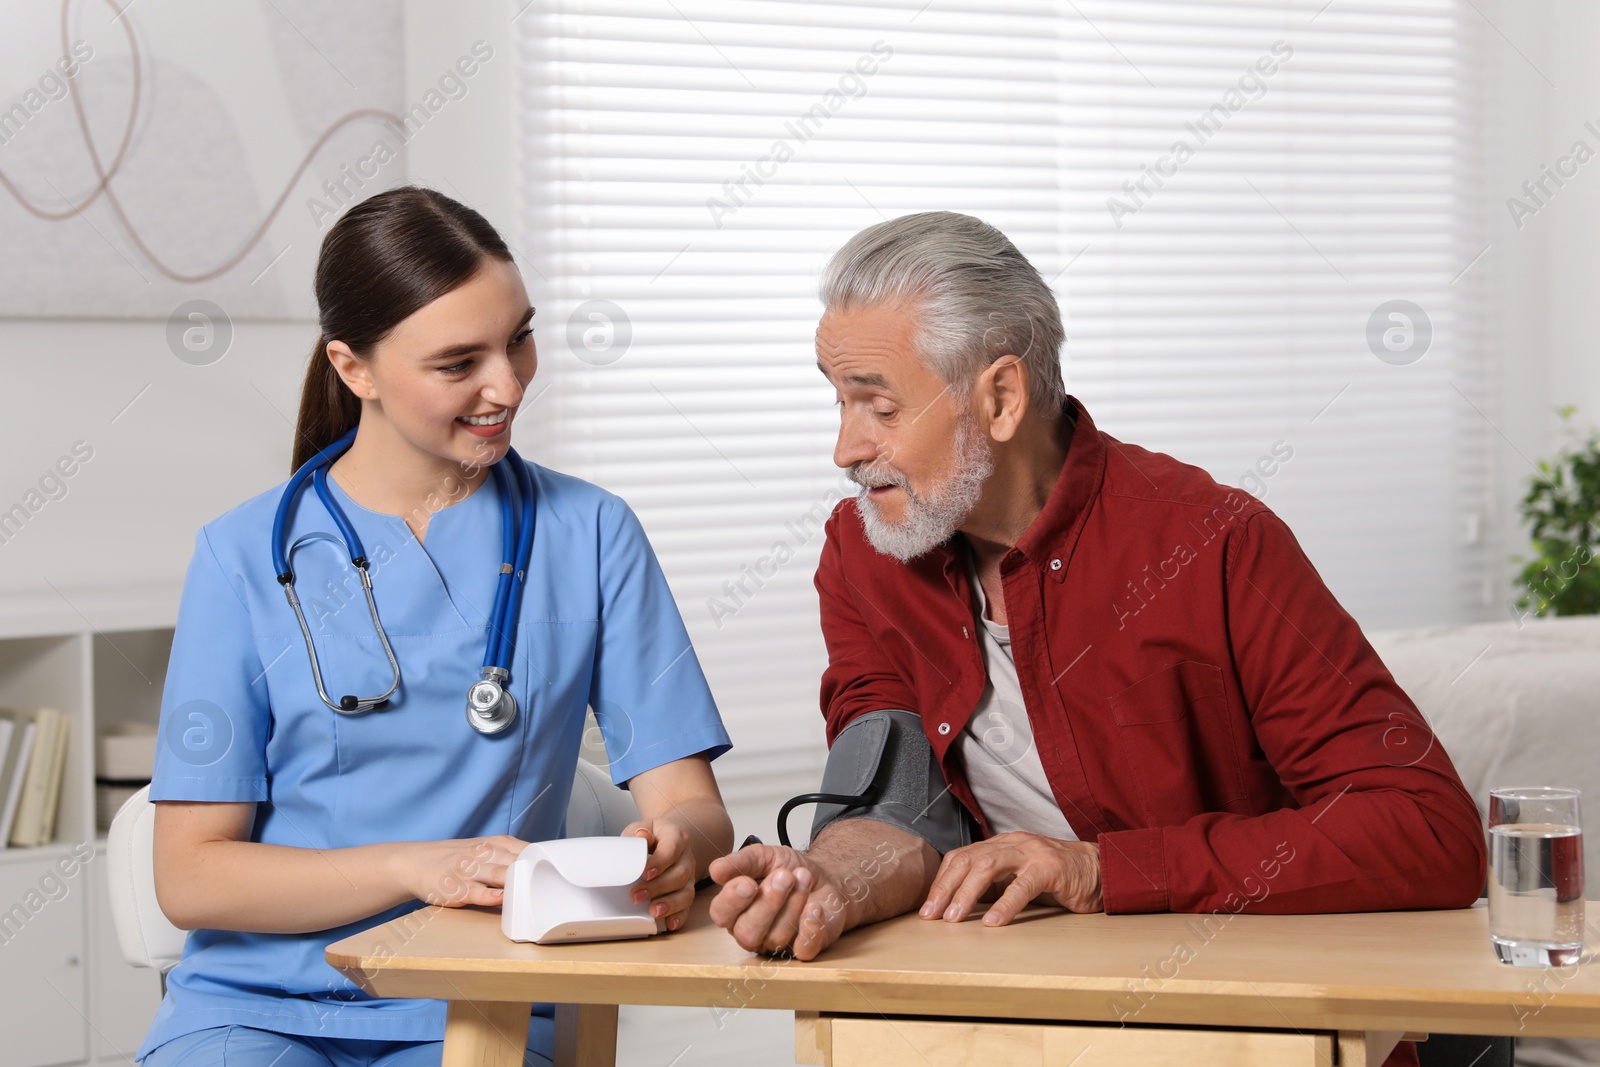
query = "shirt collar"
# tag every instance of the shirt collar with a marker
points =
(1049, 539)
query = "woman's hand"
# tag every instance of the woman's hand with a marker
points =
(668, 881)
(454, 873)
(686, 827)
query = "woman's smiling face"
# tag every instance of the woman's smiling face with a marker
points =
(468, 355)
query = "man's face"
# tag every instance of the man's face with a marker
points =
(918, 454)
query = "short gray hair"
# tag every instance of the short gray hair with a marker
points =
(975, 296)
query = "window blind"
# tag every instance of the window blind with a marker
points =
(1273, 206)
(687, 167)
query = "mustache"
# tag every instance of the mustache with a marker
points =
(869, 476)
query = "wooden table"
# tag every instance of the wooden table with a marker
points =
(1050, 989)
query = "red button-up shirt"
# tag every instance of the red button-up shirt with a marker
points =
(1200, 703)
(1203, 707)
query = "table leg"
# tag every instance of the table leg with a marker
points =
(485, 1033)
(812, 1037)
(586, 1035)
(1368, 1048)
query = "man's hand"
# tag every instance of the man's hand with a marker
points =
(1029, 867)
(775, 898)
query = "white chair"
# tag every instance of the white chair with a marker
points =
(596, 808)
(146, 936)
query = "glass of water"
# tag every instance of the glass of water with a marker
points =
(1536, 876)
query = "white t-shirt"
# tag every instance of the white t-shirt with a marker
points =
(996, 746)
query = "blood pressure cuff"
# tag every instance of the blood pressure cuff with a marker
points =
(885, 757)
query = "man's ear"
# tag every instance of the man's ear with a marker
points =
(353, 370)
(1001, 394)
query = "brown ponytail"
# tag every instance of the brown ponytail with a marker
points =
(386, 257)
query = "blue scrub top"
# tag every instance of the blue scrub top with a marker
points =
(241, 719)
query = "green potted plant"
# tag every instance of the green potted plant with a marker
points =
(1562, 508)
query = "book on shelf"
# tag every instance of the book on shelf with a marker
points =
(13, 769)
(52, 789)
(34, 793)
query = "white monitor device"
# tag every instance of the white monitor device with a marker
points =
(576, 889)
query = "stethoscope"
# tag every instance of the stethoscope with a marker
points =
(490, 706)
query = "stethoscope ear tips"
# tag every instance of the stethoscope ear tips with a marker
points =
(348, 703)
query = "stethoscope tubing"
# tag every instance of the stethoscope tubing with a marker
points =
(358, 551)
(280, 521)
(516, 549)
(502, 589)
(512, 582)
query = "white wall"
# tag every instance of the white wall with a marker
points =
(1573, 262)
(1540, 86)
(198, 440)
(195, 442)
(471, 155)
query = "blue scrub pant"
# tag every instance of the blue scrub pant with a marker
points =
(243, 1046)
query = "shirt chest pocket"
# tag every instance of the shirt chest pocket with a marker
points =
(1176, 739)
(1167, 695)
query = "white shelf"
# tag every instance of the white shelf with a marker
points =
(45, 854)
(65, 610)
(98, 657)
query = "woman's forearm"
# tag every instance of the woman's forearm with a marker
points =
(710, 832)
(245, 885)
(684, 792)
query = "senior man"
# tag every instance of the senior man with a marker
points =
(1130, 676)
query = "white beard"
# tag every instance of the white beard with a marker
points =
(932, 520)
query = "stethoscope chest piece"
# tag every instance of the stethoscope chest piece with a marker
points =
(490, 706)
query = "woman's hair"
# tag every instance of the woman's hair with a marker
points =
(387, 257)
(976, 298)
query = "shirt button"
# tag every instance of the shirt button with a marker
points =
(1055, 564)
(944, 728)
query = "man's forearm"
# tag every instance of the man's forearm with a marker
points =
(879, 870)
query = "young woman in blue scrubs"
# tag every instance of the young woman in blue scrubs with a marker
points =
(282, 825)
